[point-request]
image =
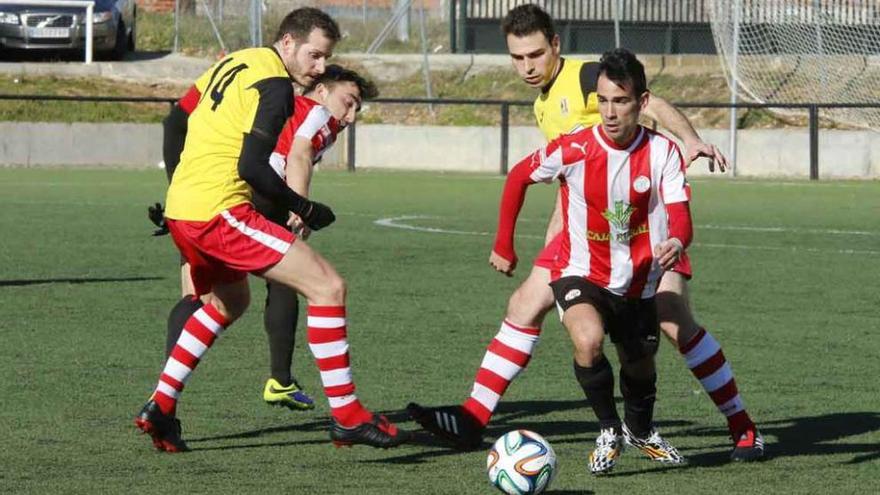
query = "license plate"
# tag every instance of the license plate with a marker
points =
(49, 32)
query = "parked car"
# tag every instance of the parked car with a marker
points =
(38, 27)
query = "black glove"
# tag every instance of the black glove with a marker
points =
(156, 214)
(317, 215)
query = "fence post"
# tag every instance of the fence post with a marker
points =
(453, 36)
(814, 142)
(505, 135)
(460, 29)
(350, 142)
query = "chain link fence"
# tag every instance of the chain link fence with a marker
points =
(213, 27)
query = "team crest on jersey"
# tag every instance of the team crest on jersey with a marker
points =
(563, 106)
(641, 184)
(618, 218)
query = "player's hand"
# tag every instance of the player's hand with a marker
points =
(700, 149)
(298, 227)
(156, 214)
(502, 264)
(317, 215)
(668, 253)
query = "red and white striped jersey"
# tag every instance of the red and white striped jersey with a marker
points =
(311, 121)
(613, 205)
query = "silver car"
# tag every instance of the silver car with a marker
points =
(33, 27)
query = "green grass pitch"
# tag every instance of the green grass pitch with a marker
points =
(786, 279)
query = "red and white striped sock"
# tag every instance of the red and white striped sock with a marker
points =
(327, 341)
(199, 333)
(506, 356)
(706, 361)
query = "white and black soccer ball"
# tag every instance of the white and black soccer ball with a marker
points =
(521, 462)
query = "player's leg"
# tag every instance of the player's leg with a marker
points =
(226, 303)
(704, 357)
(181, 312)
(511, 350)
(279, 320)
(635, 337)
(586, 312)
(505, 358)
(306, 271)
(596, 378)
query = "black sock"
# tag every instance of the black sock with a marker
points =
(639, 394)
(279, 320)
(598, 384)
(177, 319)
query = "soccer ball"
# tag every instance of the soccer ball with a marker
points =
(521, 462)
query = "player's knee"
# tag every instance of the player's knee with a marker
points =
(587, 347)
(527, 306)
(233, 306)
(331, 291)
(638, 369)
(675, 317)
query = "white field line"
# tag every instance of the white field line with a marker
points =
(402, 222)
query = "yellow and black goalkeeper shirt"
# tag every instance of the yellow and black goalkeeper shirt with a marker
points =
(247, 93)
(569, 101)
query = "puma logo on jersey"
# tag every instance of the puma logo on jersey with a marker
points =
(580, 146)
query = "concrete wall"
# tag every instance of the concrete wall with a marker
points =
(761, 153)
(56, 144)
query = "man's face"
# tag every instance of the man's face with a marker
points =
(342, 99)
(534, 57)
(305, 60)
(620, 108)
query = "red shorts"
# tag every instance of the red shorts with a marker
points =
(547, 259)
(683, 266)
(226, 248)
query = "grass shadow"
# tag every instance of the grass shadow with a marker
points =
(73, 280)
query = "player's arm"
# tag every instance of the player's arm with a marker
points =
(542, 165)
(300, 161)
(676, 197)
(274, 107)
(671, 118)
(174, 128)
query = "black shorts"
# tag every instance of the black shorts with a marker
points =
(631, 323)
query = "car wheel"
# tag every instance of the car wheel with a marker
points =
(132, 36)
(121, 45)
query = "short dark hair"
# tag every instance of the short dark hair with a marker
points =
(527, 19)
(300, 22)
(621, 66)
(336, 73)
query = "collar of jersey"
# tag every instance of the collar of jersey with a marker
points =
(608, 144)
(275, 51)
(549, 85)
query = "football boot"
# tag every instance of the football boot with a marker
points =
(749, 447)
(291, 397)
(451, 424)
(379, 432)
(163, 428)
(609, 446)
(654, 446)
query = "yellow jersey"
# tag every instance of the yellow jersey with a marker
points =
(569, 101)
(246, 92)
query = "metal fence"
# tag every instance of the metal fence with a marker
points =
(592, 26)
(222, 26)
(812, 109)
